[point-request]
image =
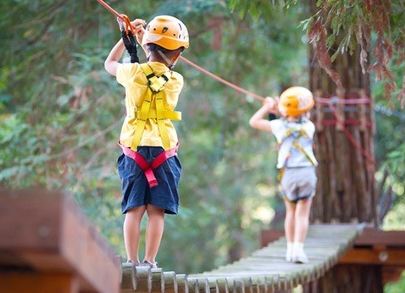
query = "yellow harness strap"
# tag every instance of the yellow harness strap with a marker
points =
(155, 84)
(309, 156)
(172, 115)
(296, 144)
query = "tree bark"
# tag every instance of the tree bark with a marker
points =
(345, 191)
(346, 187)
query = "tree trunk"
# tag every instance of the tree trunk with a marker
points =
(345, 191)
(345, 151)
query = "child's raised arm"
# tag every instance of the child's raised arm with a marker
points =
(258, 121)
(111, 63)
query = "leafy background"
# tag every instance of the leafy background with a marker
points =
(61, 113)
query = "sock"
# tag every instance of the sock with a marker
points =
(298, 247)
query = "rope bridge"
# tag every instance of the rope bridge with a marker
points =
(48, 245)
(264, 271)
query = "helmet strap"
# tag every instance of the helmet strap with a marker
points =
(170, 62)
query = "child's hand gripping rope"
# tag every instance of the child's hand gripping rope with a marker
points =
(271, 104)
(128, 37)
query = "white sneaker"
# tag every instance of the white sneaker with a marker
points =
(299, 256)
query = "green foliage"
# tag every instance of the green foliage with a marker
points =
(390, 146)
(396, 287)
(61, 115)
(336, 27)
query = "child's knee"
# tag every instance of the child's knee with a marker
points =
(135, 213)
(154, 210)
(304, 205)
(289, 213)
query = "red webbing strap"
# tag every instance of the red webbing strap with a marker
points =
(163, 156)
(146, 167)
(352, 140)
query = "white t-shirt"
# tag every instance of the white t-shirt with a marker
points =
(286, 132)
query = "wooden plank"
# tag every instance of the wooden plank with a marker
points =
(367, 256)
(368, 237)
(169, 282)
(143, 279)
(372, 236)
(87, 251)
(157, 280)
(128, 281)
(57, 237)
(40, 231)
(182, 284)
(38, 282)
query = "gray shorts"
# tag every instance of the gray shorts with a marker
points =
(298, 183)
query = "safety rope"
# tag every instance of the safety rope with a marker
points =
(237, 88)
(330, 102)
(352, 140)
(125, 19)
(221, 80)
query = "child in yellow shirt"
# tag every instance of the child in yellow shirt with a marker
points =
(296, 161)
(149, 168)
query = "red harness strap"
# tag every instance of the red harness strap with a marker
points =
(147, 167)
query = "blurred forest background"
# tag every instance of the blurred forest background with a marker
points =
(61, 113)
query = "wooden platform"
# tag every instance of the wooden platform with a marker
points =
(372, 247)
(47, 245)
(264, 271)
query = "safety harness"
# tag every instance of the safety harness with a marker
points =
(297, 132)
(160, 113)
(295, 143)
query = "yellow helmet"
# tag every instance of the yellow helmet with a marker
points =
(166, 31)
(295, 101)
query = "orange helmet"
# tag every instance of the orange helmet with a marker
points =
(295, 101)
(166, 31)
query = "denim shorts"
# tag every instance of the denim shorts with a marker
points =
(135, 188)
(298, 183)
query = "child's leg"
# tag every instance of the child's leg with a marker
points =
(289, 220)
(301, 228)
(302, 219)
(154, 232)
(289, 228)
(131, 232)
